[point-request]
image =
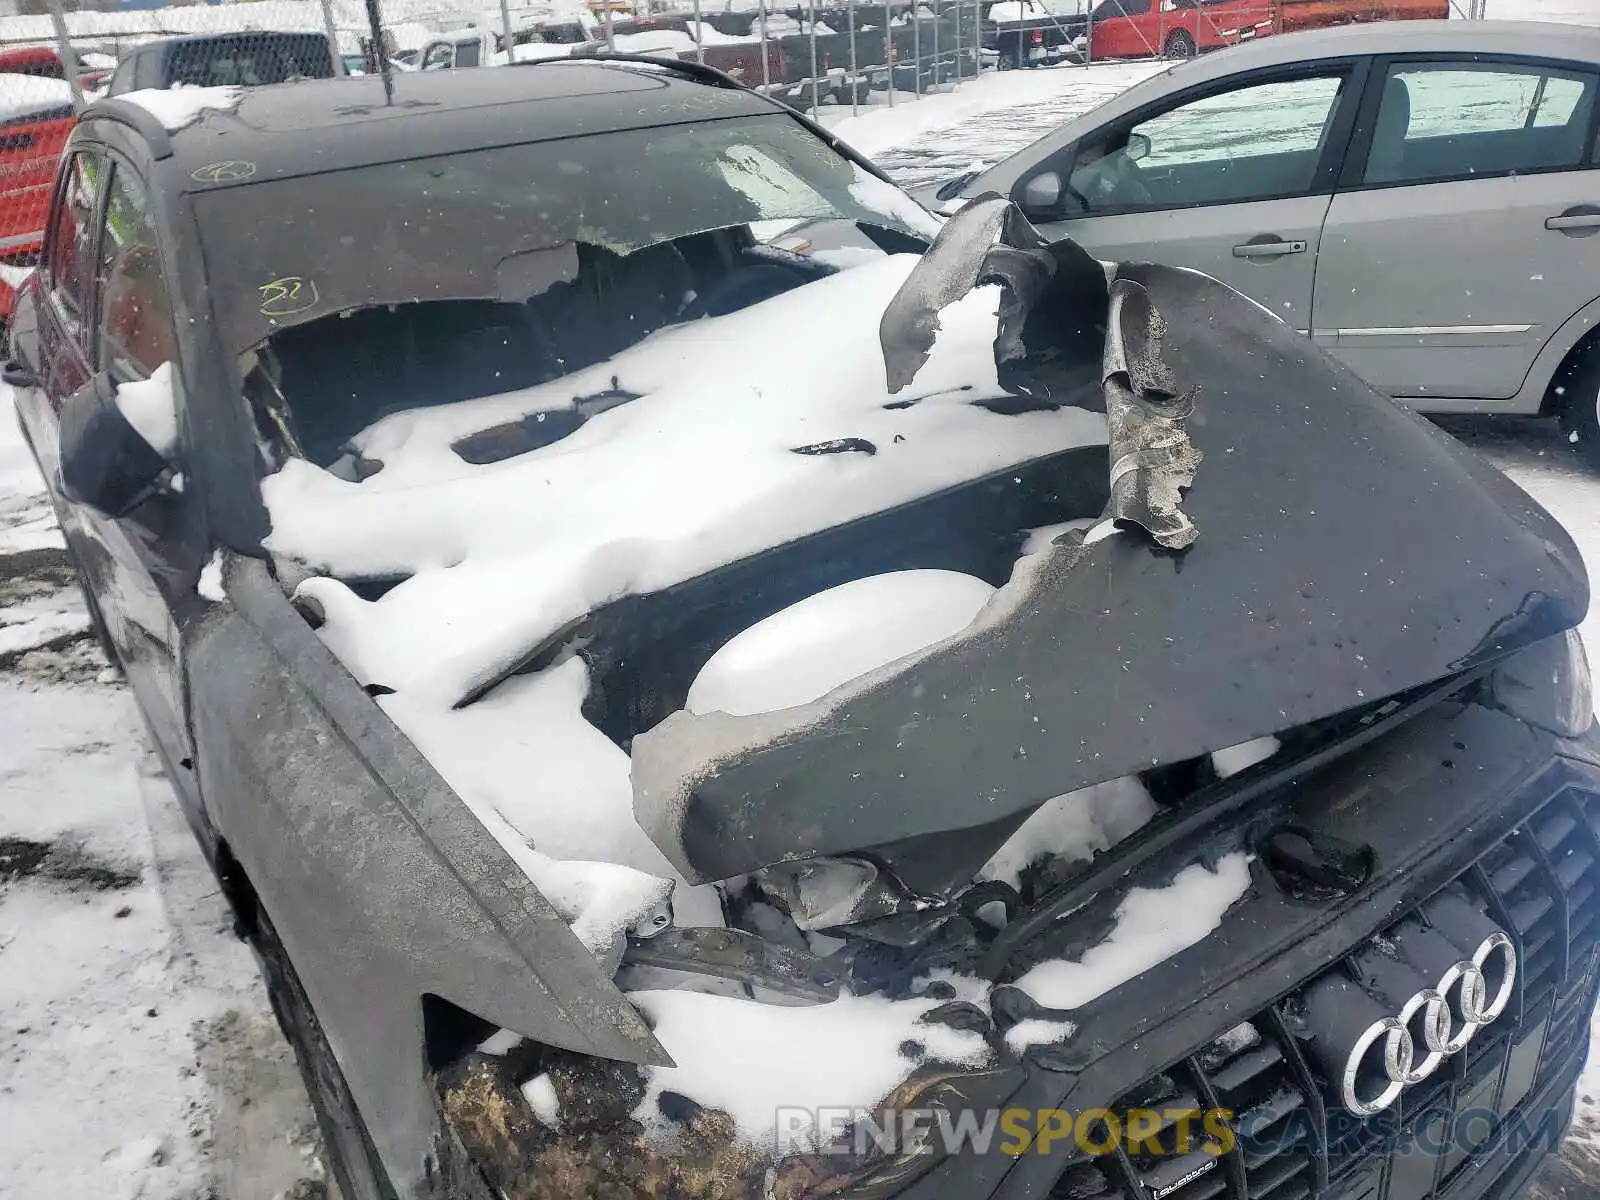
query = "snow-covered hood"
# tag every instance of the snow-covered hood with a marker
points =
(707, 466)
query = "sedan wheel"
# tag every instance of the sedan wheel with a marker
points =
(1580, 405)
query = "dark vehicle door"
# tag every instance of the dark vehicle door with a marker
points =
(109, 310)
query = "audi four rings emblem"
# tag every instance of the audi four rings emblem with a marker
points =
(1385, 1058)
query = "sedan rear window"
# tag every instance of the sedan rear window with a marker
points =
(1458, 120)
(260, 60)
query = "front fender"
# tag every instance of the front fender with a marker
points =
(381, 883)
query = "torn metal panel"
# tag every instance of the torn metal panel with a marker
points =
(1385, 580)
(1052, 303)
(737, 955)
(1152, 458)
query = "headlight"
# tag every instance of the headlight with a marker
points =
(825, 893)
(1547, 685)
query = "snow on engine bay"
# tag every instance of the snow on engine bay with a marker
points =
(698, 471)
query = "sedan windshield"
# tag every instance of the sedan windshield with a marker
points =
(420, 283)
(507, 223)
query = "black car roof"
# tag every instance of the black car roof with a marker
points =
(311, 126)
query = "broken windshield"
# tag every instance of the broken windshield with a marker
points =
(505, 224)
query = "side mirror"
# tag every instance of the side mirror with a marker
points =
(1138, 147)
(1041, 194)
(105, 462)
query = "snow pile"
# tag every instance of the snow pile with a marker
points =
(1037, 1032)
(152, 410)
(754, 1060)
(526, 752)
(810, 648)
(655, 41)
(700, 471)
(1153, 924)
(531, 52)
(1074, 827)
(25, 96)
(540, 1093)
(40, 621)
(26, 521)
(1230, 761)
(1033, 10)
(209, 585)
(182, 104)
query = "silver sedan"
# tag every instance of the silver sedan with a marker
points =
(1421, 198)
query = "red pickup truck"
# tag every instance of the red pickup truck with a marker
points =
(1183, 28)
(36, 114)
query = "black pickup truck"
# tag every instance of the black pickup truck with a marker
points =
(226, 60)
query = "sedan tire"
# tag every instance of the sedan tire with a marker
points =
(347, 1147)
(1179, 45)
(1580, 405)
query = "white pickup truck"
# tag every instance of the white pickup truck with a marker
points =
(476, 47)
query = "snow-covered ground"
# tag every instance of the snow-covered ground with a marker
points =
(141, 1059)
(921, 140)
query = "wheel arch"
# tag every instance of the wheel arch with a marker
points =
(1574, 339)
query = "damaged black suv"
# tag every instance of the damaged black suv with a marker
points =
(701, 680)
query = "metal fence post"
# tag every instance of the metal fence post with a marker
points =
(938, 67)
(816, 101)
(69, 60)
(766, 65)
(328, 24)
(958, 43)
(505, 26)
(380, 52)
(855, 98)
(699, 35)
(916, 44)
(888, 50)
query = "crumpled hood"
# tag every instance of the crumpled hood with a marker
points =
(1346, 550)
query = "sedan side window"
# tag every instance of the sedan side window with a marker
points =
(1259, 142)
(136, 332)
(73, 237)
(1458, 120)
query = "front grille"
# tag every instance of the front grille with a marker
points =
(1541, 885)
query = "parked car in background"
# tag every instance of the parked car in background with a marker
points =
(1030, 33)
(1184, 28)
(1174, 28)
(676, 34)
(1421, 198)
(227, 60)
(44, 62)
(477, 47)
(36, 115)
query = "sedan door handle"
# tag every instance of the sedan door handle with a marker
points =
(1276, 248)
(1581, 219)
